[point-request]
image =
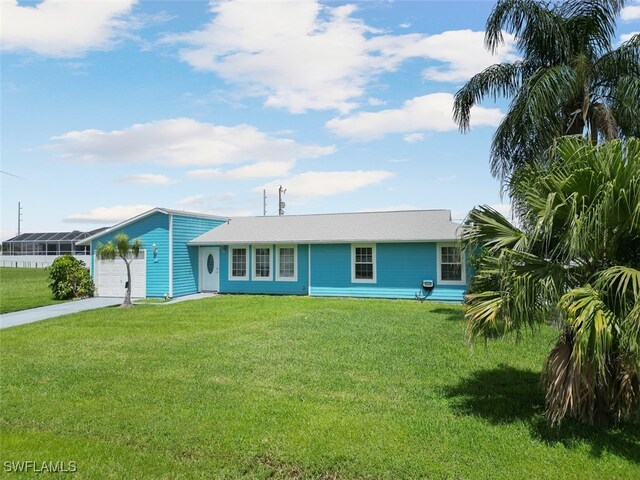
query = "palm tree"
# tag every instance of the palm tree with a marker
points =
(127, 251)
(569, 81)
(573, 262)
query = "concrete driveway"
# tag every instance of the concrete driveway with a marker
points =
(41, 313)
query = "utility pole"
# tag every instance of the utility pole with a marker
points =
(281, 204)
(19, 217)
(264, 203)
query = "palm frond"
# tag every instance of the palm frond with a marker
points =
(623, 99)
(593, 325)
(540, 31)
(623, 61)
(106, 251)
(504, 79)
(487, 227)
(592, 22)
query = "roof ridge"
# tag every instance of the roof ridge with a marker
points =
(347, 213)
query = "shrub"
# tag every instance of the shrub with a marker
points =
(70, 278)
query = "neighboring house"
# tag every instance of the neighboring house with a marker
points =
(39, 250)
(376, 254)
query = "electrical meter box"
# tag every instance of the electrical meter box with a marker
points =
(427, 284)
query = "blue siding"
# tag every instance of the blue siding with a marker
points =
(150, 230)
(185, 258)
(401, 267)
(273, 286)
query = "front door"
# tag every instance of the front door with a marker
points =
(209, 269)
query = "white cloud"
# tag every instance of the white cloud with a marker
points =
(447, 179)
(625, 37)
(323, 184)
(392, 208)
(62, 28)
(413, 137)
(375, 102)
(224, 204)
(182, 142)
(305, 56)
(255, 170)
(504, 209)
(630, 13)
(431, 112)
(106, 215)
(464, 55)
(461, 52)
(146, 179)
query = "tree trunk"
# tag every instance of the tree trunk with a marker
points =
(127, 296)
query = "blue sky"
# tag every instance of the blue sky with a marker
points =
(112, 107)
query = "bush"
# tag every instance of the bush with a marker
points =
(70, 278)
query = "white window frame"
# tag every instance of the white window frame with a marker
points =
(295, 264)
(373, 260)
(246, 262)
(253, 264)
(463, 268)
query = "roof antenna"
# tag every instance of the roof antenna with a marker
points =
(264, 202)
(281, 204)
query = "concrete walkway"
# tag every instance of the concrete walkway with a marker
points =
(184, 298)
(41, 313)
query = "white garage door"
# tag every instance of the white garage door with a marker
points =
(111, 277)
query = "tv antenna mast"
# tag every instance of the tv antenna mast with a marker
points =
(19, 217)
(281, 204)
(264, 203)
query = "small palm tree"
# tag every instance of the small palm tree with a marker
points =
(573, 262)
(569, 81)
(127, 251)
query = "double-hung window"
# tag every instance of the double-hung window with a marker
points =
(451, 269)
(238, 263)
(286, 264)
(363, 263)
(262, 263)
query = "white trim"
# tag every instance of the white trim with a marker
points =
(305, 241)
(295, 264)
(170, 255)
(230, 261)
(373, 260)
(253, 264)
(463, 269)
(164, 211)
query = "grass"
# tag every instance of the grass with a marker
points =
(284, 387)
(151, 300)
(23, 288)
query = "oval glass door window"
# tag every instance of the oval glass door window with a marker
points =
(210, 264)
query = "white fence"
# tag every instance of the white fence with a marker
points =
(35, 261)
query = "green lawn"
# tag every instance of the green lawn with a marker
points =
(22, 288)
(282, 387)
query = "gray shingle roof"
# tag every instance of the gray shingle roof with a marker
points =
(401, 226)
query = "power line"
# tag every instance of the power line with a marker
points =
(12, 175)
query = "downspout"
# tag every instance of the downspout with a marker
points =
(170, 255)
(309, 269)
